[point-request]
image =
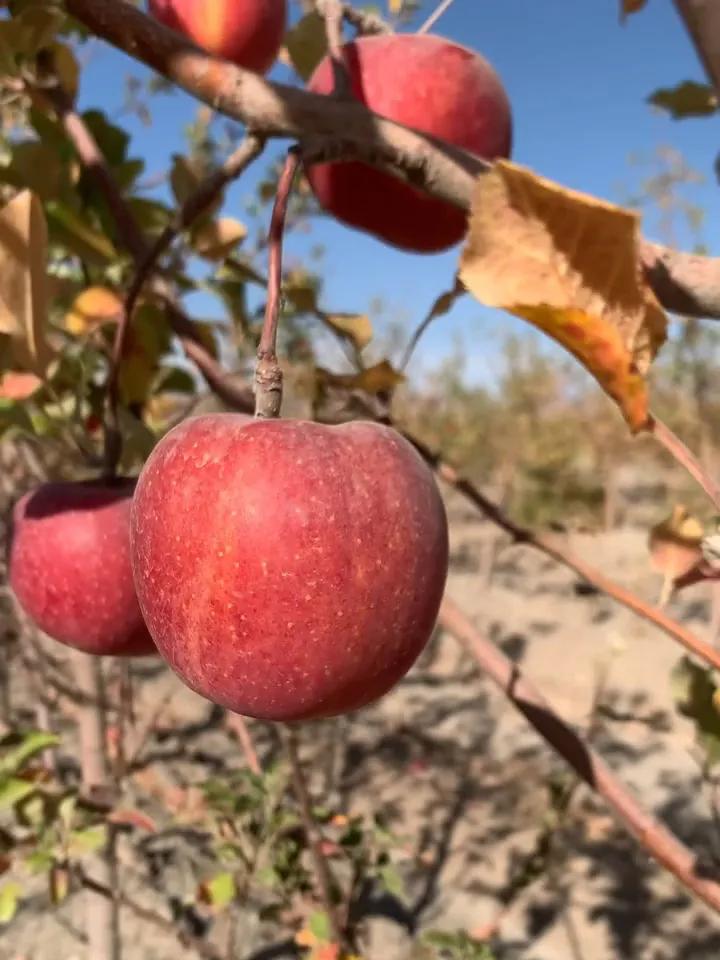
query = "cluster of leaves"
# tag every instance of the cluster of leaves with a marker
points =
(45, 828)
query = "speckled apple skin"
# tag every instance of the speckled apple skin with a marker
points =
(288, 570)
(246, 32)
(69, 566)
(436, 87)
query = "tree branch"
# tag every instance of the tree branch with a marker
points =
(331, 128)
(702, 21)
(552, 547)
(662, 845)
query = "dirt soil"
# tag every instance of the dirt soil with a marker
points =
(464, 780)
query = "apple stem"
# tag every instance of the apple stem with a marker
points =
(682, 455)
(325, 879)
(268, 375)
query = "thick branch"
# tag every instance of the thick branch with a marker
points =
(702, 20)
(662, 845)
(332, 128)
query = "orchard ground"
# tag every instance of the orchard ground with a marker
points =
(462, 778)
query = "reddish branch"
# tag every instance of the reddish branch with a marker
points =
(145, 259)
(553, 547)
(268, 375)
(662, 845)
(682, 455)
(331, 128)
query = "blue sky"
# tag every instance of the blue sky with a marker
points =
(578, 82)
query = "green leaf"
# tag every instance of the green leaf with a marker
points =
(37, 166)
(319, 925)
(175, 380)
(71, 230)
(13, 790)
(112, 140)
(694, 691)
(89, 840)
(688, 99)
(220, 890)
(391, 880)
(306, 43)
(31, 745)
(10, 894)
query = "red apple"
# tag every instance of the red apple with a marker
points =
(69, 566)
(286, 569)
(246, 32)
(435, 86)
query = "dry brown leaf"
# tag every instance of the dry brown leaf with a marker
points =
(23, 279)
(216, 239)
(569, 264)
(675, 547)
(355, 326)
(376, 379)
(92, 308)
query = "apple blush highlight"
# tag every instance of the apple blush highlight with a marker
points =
(69, 566)
(288, 570)
(248, 33)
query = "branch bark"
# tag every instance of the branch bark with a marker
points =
(101, 914)
(662, 845)
(327, 128)
(702, 21)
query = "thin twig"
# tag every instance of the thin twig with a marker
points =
(679, 452)
(268, 375)
(199, 201)
(364, 21)
(435, 16)
(553, 547)
(202, 947)
(324, 876)
(662, 845)
(237, 725)
(440, 306)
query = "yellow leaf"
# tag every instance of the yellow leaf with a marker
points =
(306, 44)
(305, 938)
(19, 386)
(355, 326)
(301, 290)
(377, 379)
(216, 239)
(91, 308)
(395, 6)
(569, 264)
(23, 279)
(675, 543)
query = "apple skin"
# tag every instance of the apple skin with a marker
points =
(288, 570)
(69, 566)
(248, 33)
(436, 87)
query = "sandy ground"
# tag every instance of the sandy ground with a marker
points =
(462, 778)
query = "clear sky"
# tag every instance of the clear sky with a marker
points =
(578, 82)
